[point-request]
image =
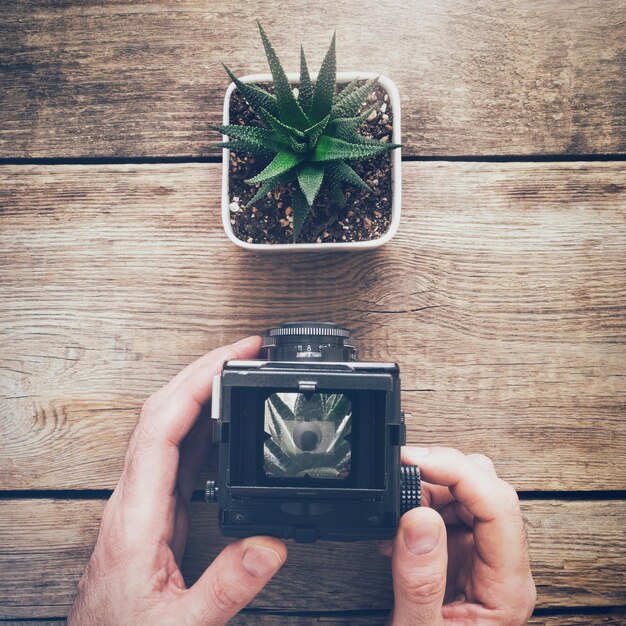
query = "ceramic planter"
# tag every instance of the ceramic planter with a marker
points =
(396, 165)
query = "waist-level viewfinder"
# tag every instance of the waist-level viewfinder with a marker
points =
(309, 440)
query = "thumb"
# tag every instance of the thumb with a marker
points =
(419, 564)
(238, 574)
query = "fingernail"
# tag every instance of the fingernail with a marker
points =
(260, 561)
(422, 538)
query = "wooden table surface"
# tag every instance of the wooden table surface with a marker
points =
(502, 297)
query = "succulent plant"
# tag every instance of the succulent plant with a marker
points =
(282, 454)
(310, 137)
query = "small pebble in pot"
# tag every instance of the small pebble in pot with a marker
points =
(234, 207)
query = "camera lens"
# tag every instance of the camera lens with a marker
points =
(311, 341)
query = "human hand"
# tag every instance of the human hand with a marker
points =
(133, 576)
(462, 558)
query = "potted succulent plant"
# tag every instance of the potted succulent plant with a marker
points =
(310, 161)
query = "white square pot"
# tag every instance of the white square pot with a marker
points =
(396, 172)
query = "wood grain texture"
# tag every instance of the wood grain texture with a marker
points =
(45, 544)
(502, 298)
(248, 618)
(145, 79)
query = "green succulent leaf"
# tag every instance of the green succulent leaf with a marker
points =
(260, 139)
(270, 185)
(325, 85)
(285, 132)
(263, 190)
(332, 149)
(313, 132)
(346, 127)
(246, 147)
(337, 195)
(310, 178)
(319, 472)
(339, 409)
(281, 408)
(308, 409)
(348, 89)
(342, 172)
(280, 428)
(255, 96)
(282, 162)
(298, 147)
(276, 457)
(290, 111)
(339, 433)
(300, 211)
(305, 88)
(350, 105)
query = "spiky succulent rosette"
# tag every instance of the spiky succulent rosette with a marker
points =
(311, 138)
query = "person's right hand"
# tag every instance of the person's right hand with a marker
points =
(462, 558)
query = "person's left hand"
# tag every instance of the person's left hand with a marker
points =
(133, 576)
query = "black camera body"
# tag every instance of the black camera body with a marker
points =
(309, 441)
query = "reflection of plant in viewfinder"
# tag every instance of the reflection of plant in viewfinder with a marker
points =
(284, 458)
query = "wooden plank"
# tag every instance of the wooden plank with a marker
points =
(502, 298)
(101, 79)
(577, 551)
(617, 618)
(253, 619)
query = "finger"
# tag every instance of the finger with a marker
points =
(194, 452)
(159, 396)
(150, 473)
(434, 496)
(196, 446)
(484, 461)
(498, 525)
(419, 563)
(233, 579)
(177, 413)
(455, 513)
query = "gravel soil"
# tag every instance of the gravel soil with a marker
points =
(366, 215)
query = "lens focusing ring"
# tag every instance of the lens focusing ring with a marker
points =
(310, 341)
(325, 330)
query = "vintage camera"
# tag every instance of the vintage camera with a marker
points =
(309, 441)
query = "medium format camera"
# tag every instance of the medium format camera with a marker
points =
(309, 441)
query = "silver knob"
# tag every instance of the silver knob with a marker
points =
(210, 491)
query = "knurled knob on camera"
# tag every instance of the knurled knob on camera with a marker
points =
(410, 488)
